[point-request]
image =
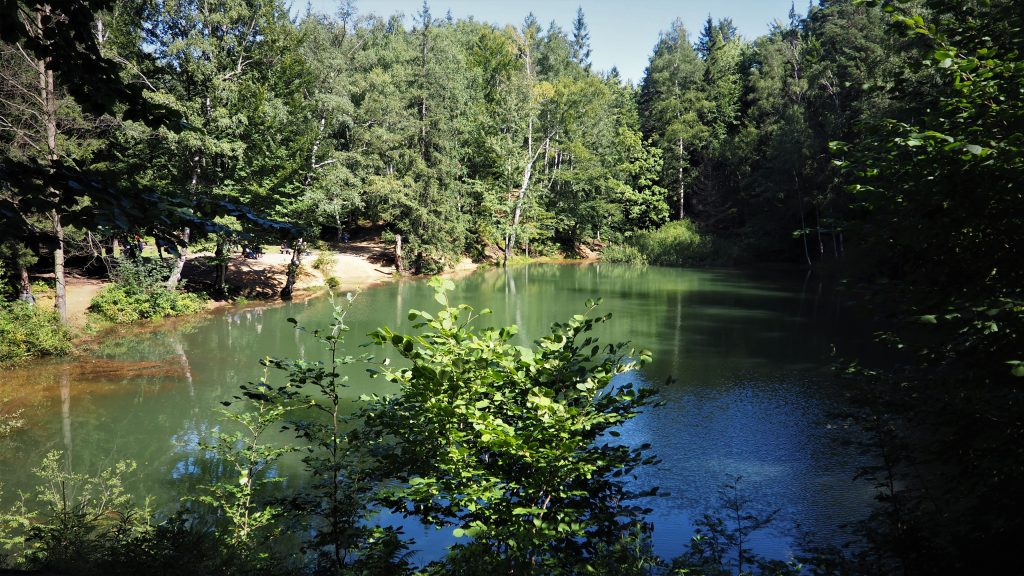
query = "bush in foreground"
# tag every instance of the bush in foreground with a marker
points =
(28, 331)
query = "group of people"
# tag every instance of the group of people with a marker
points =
(252, 251)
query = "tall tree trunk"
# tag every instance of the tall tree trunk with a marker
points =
(424, 45)
(682, 183)
(803, 225)
(293, 269)
(821, 243)
(48, 95)
(220, 257)
(26, 286)
(183, 237)
(61, 301)
(517, 213)
(399, 262)
(179, 260)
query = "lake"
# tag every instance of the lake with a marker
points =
(742, 361)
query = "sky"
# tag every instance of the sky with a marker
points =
(622, 32)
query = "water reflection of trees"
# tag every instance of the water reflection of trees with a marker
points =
(149, 397)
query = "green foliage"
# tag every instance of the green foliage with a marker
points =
(509, 444)
(82, 525)
(249, 523)
(334, 505)
(677, 243)
(623, 254)
(139, 293)
(936, 193)
(14, 257)
(721, 543)
(71, 519)
(324, 262)
(28, 331)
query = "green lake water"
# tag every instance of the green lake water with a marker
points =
(742, 361)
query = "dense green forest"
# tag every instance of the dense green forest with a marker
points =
(879, 141)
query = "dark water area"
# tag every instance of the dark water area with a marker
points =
(742, 361)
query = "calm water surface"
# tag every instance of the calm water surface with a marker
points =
(742, 361)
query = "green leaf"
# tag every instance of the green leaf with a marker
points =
(526, 354)
(1018, 368)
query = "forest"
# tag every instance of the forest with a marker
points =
(879, 143)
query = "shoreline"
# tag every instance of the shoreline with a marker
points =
(353, 267)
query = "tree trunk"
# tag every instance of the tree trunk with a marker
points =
(682, 184)
(803, 225)
(26, 286)
(293, 269)
(821, 243)
(61, 301)
(424, 44)
(220, 257)
(48, 96)
(399, 263)
(179, 261)
(517, 213)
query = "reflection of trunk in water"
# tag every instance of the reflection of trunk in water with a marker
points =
(510, 292)
(519, 301)
(677, 331)
(803, 292)
(179, 350)
(65, 413)
(817, 298)
(398, 303)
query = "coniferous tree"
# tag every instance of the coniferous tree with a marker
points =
(581, 40)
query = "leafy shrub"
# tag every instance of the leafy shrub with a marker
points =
(677, 243)
(332, 282)
(623, 254)
(13, 257)
(87, 525)
(139, 293)
(324, 261)
(507, 443)
(27, 331)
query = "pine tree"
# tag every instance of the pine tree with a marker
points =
(580, 40)
(673, 105)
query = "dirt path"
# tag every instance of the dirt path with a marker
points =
(80, 292)
(356, 265)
